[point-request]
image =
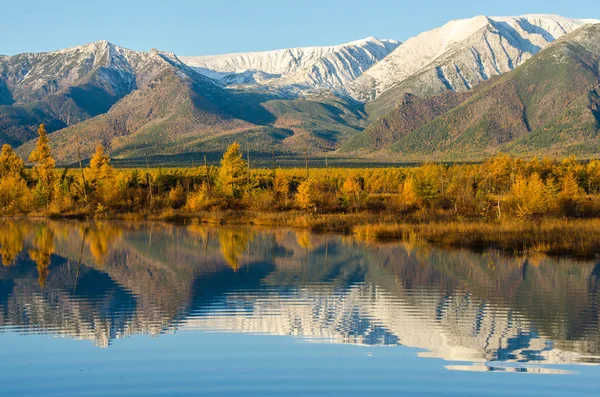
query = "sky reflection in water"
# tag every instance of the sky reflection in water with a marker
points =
(364, 317)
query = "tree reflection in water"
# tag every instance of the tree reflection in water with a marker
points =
(156, 278)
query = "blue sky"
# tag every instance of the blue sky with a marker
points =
(203, 27)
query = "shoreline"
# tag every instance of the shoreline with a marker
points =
(578, 238)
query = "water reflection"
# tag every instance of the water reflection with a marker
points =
(107, 280)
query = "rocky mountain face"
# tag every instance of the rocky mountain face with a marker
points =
(458, 56)
(295, 70)
(66, 87)
(139, 104)
(363, 97)
(547, 106)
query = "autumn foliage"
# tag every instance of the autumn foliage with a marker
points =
(502, 188)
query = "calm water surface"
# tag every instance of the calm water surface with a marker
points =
(117, 309)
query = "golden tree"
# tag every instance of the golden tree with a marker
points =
(593, 171)
(10, 163)
(427, 183)
(14, 193)
(569, 195)
(199, 199)
(233, 174)
(176, 196)
(352, 192)
(529, 195)
(500, 171)
(570, 188)
(306, 196)
(461, 192)
(100, 168)
(109, 185)
(408, 196)
(44, 165)
(281, 187)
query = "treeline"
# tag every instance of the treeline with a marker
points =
(503, 187)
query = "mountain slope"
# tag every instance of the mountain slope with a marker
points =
(138, 104)
(176, 113)
(454, 92)
(295, 70)
(457, 57)
(548, 105)
(410, 113)
(169, 111)
(69, 86)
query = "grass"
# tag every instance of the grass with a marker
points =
(580, 238)
(549, 236)
(577, 238)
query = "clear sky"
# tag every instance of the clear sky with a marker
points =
(202, 27)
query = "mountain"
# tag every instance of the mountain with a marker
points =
(122, 98)
(295, 70)
(457, 57)
(547, 106)
(138, 104)
(173, 118)
(452, 92)
(66, 87)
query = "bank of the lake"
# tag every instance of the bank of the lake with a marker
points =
(549, 236)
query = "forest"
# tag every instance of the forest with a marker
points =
(547, 205)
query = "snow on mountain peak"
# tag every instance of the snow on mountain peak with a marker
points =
(296, 69)
(464, 52)
(455, 56)
(37, 75)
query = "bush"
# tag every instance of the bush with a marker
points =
(177, 197)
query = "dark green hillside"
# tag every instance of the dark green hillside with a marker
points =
(410, 114)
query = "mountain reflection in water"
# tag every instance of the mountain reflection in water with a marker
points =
(107, 280)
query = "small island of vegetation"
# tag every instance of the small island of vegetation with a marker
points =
(543, 206)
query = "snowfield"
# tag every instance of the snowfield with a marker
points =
(464, 52)
(456, 56)
(295, 69)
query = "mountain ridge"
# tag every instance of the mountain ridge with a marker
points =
(295, 70)
(458, 56)
(299, 99)
(546, 106)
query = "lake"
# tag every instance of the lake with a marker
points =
(145, 309)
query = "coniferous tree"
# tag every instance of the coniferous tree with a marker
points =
(306, 195)
(233, 174)
(14, 194)
(281, 187)
(43, 169)
(10, 163)
(100, 168)
(352, 193)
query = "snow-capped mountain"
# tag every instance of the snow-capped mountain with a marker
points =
(295, 69)
(462, 53)
(35, 76)
(110, 92)
(69, 86)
